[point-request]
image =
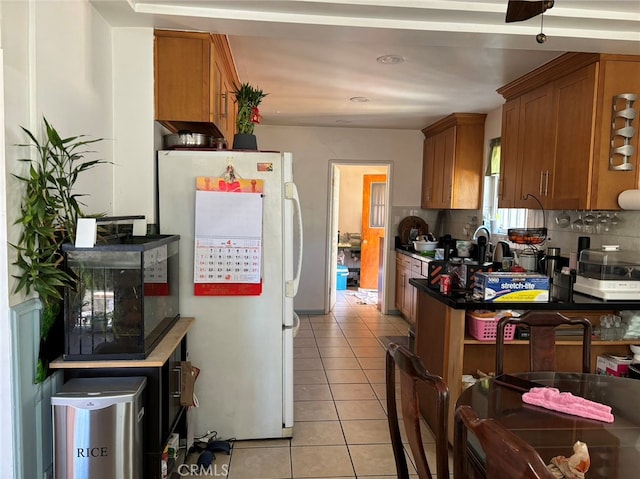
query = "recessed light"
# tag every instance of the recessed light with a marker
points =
(358, 99)
(390, 59)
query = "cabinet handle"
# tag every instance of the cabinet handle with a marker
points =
(225, 110)
(540, 187)
(546, 183)
(178, 392)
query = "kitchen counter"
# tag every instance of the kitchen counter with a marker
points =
(443, 344)
(460, 299)
(414, 254)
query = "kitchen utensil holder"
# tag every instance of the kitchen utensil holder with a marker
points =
(622, 132)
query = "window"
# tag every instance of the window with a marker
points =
(376, 215)
(499, 219)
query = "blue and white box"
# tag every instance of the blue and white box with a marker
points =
(511, 287)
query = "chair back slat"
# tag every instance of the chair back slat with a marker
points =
(412, 372)
(542, 342)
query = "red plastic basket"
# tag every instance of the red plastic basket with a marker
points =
(483, 328)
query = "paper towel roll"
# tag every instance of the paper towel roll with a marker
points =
(629, 200)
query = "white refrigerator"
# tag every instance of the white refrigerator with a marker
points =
(243, 344)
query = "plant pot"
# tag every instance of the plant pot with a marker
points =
(244, 141)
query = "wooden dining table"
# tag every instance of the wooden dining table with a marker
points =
(614, 448)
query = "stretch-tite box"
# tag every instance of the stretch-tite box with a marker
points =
(511, 287)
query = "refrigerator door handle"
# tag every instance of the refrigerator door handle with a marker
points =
(291, 193)
(296, 324)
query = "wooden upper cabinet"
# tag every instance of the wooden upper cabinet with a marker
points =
(194, 76)
(556, 133)
(525, 168)
(226, 79)
(452, 162)
(510, 162)
(574, 96)
(428, 161)
(184, 68)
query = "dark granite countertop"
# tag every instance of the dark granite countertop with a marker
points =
(461, 299)
(414, 254)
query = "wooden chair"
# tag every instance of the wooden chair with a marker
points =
(542, 339)
(413, 372)
(507, 456)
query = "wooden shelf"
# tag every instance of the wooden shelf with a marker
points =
(559, 342)
(156, 359)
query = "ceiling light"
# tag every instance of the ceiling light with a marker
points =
(358, 99)
(390, 59)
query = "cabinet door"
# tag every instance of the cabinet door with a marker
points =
(183, 70)
(535, 144)
(437, 170)
(408, 293)
(416, 273)
(566, 186)
(446, 155)
(510, 164)
(400, 282)
(230, 108)
(428, 163)
(225, 120)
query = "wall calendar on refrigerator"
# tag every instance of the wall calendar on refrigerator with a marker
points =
(228, 237)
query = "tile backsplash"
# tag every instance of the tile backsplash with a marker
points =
(626, 231)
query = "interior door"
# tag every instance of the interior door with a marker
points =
(373, 214)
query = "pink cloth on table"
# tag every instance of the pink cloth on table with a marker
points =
(551, 398)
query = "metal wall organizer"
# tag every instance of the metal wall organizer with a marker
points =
(622, 116)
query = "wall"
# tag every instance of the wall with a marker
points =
(57, 63)
(312, 149)
(133, 97)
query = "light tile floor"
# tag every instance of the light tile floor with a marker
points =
(340, 428)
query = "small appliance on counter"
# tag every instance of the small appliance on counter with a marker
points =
(609, 273)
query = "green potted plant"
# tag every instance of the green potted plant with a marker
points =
(48, 216)
(247, 98)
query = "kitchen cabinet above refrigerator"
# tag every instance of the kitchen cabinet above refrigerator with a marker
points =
(194, 80)
(557, 133)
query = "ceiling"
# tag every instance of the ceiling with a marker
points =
(313, 56)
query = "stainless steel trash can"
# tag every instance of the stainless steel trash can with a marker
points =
(97, 428)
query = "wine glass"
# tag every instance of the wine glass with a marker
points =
(604, 222)
(578, 223)
(589, 219)
(563, 220)
(615, 220)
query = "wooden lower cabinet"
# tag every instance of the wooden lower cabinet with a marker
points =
(446, 350)
(406, 294)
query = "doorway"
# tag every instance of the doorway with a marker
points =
(346, 238)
